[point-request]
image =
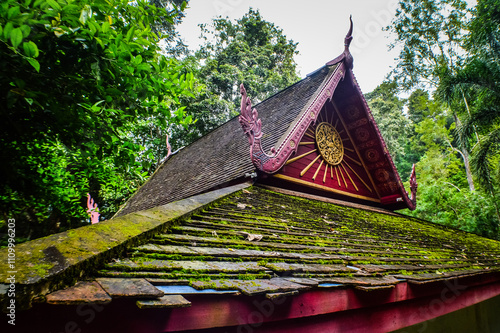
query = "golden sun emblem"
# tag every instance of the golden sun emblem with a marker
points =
(331, 159)
(329, 143)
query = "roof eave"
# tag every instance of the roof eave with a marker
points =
(405, 303)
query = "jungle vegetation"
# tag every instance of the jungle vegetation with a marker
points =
(91, 88)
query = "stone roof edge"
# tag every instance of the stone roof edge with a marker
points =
(56, 261)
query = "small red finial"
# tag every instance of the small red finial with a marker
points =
(346, 56)
(92, 209)
(413, 183)
(169, 149)
(348, 37)
(347, 41)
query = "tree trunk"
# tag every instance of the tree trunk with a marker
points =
(465, 156)
(468, 171)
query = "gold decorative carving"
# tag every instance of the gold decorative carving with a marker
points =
(329, 143)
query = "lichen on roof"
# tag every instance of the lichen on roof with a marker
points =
(56, 261)
(260, 234)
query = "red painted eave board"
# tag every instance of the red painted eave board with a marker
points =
(318, 310)
(353, 310)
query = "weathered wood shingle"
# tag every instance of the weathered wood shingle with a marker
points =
(303, 244)
(223, 156)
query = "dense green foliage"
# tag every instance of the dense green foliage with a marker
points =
(430, 34)
(478, 83)
(249, 50)
(455, 135)
(77, 77)
(87, 100)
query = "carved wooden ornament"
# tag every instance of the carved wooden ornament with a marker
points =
(92, 210)
(251, 124)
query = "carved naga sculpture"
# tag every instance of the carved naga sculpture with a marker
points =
(92, 209)
(271, 162)
(251, 125)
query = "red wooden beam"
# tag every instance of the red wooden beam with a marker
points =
(421, 303)
(318, 310)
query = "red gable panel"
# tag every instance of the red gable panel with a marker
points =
(327, 159)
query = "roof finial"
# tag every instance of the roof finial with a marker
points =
(348, 37)
(346, 55)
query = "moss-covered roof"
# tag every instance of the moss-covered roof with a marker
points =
(46, 264)
(303, 238)
(259, 241)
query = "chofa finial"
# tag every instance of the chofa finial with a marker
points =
(346, 55)
(348, 37)
(347, 41)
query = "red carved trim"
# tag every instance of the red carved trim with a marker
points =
(411, 202)
(251, 125)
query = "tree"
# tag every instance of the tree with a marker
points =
(76, 75)
(417, 105)
(250, 50)
(443, 196)
(396, 128)
(431, 35)
(478, 82)
(166, 26)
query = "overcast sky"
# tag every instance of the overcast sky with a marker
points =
(318, 26)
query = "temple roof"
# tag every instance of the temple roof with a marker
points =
(279, 131)
(307, 241)
(222, 156)
(220, 247)
(202, 228)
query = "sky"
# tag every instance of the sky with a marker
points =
(318, 26)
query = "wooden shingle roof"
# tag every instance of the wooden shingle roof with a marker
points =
(222, 156)
(257, 242)
(207, 258)
(262, 235)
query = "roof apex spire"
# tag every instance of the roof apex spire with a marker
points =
(348, 37)
(346, 55)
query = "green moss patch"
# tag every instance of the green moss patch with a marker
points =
(59, 260)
